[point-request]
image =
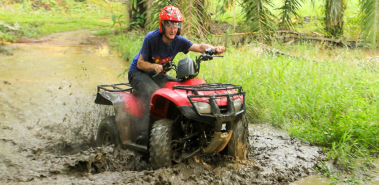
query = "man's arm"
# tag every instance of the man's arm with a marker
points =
(144, 65)
(200, 48)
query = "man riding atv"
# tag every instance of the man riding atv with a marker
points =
(159, 47)
(173, 119)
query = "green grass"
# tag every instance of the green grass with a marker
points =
(128, 45)
(50, 16)
(333, 103)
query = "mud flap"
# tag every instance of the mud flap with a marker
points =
(218, 142)
(121, 117)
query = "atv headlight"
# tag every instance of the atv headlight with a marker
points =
(203, 108)
(237, 104)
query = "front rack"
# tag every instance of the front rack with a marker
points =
(217, 114)
(119, 87)
(208, 87)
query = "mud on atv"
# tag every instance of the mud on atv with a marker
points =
(187, 117)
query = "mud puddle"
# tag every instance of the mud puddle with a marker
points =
(48, 123)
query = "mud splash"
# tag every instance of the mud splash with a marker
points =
(48, 123)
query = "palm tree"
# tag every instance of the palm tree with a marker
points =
(370, 21)
(136, 10)
(334, 10)
(259, 18)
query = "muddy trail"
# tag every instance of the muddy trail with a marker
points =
(48, 123)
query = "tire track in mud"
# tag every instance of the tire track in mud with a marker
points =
(48, 128)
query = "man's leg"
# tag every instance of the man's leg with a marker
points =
(162, 79)
(145, 86)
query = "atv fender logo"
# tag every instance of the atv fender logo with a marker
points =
(159, 60)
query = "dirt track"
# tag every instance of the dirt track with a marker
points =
(48, 123)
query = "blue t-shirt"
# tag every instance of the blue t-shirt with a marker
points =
(154, 50)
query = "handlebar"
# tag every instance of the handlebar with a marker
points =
(209, 51)
(166, 67)
(207, 55)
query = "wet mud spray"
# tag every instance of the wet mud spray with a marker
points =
(48, 123)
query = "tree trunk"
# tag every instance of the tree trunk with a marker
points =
(128, 12)
(137, 12)
(334, 10)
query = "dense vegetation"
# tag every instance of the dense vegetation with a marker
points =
(320, 93)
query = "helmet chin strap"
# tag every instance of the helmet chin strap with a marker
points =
(167, 37)
(164, 33)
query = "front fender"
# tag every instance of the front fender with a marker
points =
(161, 99)
(177, 98)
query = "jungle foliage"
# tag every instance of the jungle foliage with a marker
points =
(264, 17)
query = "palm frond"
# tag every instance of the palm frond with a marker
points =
(370, 21)
(223, 5)
(197, 18)
(258, 16)
(288, 10)
(313, 3)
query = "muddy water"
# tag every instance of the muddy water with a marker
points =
(374, 174)
(48, 123)
(46, 100)
(372, 178)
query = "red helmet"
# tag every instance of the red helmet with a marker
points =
(170, 13)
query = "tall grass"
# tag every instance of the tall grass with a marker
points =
(127, 44)
(333, 103)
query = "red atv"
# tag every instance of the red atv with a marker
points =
(187, 117)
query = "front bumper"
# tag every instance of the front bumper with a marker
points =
(216, 117)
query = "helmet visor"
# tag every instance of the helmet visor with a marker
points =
(172, 24)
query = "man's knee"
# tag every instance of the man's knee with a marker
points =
(151, 89)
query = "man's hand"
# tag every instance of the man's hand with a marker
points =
(200, 48)
(219, 49)
(158, 68)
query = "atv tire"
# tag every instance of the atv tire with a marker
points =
(107, 132)
(160, 144)
(238, 143)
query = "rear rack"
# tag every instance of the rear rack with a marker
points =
(208, 87)
(115, 87)
(103, 96)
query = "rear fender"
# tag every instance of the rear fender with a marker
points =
(126, 106)
(121, 100)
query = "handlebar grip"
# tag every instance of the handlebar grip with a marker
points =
(209, 51)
